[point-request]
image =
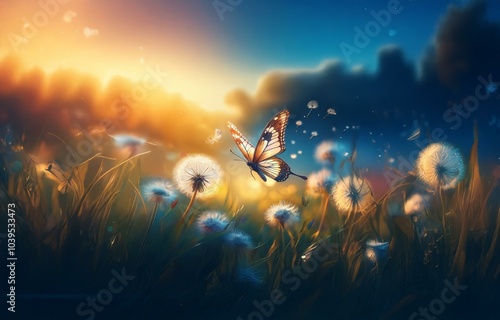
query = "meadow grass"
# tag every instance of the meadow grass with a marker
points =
(102, 221)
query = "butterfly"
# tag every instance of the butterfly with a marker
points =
(262, 158)
(215, 137)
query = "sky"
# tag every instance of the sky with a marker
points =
(72, 64)
(194, 41)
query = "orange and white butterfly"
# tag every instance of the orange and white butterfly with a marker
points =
(262, 158)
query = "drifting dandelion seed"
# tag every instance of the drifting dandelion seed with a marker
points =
(159, 192)
(313, 104)
(211, 222)
(216, 137)
(298, 123)
(352, 194)
(293, 142)
(293, 156)
(324, 152)
(313, 134)
(346, 154)
(330, 111)
(334, 129)
(304, 131)
(440, 166)
(299, 152)
(282, 214)
(415, 134)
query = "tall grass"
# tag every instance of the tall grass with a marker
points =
(102, 221)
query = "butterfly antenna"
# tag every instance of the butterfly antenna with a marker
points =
(298, 175)
(251, 173)
(237, 156)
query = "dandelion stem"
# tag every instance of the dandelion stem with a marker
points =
(193, 196)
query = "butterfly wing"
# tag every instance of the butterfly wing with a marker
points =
(246, 148)
(275, 168)
(272, 139)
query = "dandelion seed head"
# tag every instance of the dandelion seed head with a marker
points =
(331, 111)
(282, 214)
(197, 173)
(313, 104)
(440, 165)
(159, 191)
(352, 194)
(298, 123)
(319, 183)
(211, 222)
(325, 152)
(239, 240)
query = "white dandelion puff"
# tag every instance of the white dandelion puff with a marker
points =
(160, 191)
(197, 174)
(352, 194)
(238, 240)
(440, 166)
(282, 214)
(211, 222)
(319, 183)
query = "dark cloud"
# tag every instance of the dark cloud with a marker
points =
(466, 46)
